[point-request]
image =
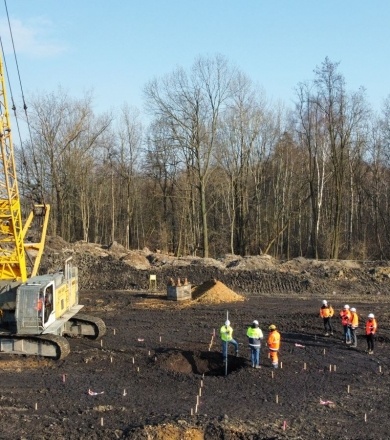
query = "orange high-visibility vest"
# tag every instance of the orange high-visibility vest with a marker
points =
(345, 317)
(39, 305)
(354, 321)
(326, 311)
(371, 326)
(274, 340)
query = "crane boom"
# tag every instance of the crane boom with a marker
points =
(12, 253)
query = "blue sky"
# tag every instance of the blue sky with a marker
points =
(115, 47)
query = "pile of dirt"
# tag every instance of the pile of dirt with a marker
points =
(115, 267)
(215, 292)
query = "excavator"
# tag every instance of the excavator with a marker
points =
(37, 312)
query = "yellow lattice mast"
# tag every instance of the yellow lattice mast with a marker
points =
(12, 254)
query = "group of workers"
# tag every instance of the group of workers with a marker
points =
(350, 322)
(255, 336)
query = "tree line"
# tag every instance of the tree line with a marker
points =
(218, 169)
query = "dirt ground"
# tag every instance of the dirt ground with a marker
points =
(158, 374)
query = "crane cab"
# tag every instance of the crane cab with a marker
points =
(45, 302)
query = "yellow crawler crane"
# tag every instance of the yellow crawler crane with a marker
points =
(36, 311)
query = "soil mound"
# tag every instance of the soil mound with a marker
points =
(214, 292)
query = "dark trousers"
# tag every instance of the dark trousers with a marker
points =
(328, 325)
(370, 342)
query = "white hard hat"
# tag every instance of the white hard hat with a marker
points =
(371, 315)
(324, 302)
(227, 322)
(346, 306)
(256, 322)
(353, 309)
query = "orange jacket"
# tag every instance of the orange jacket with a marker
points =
(326, 311)
(354, 321)
(371, 326)
(345, 316)
(273, 340)
(39, 304)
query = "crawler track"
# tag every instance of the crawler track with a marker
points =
(97, 324)
(52, 346)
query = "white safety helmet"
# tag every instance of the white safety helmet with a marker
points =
(371, 315)
(324, 302)
(256, 322)
(227, 323)
(346, 306)
(353, 309)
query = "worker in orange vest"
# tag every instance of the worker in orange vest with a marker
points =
(353, 325)
(326, 313)
(273, 343)
(39, 305)
(345, 316)
(371, 327)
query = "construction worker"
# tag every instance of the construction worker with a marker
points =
(353, 325)
(371, 327)
(326, 313)
(273, 343)
(345, 316)
(39, 305)
(255, 335)
(226, 333)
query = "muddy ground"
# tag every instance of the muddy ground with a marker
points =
(158, 374)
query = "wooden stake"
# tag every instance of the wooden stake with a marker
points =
(348, 388)
(138, 369)
(324, 351)
(149, 353)
(124, 392)
(197, 400)
(380, 369)
(330, 367)
(114, 332)
(160, 338)
(281, 365)
(272, 374)
(111, 359)
(101, 421)
(63, 378)
(304, 365)
(201, 383)
(365, 417)
(101, 342)
(334, 368)
(277, 399)
(133, 359)
(192, 411)
(196, 408)
(36, 406)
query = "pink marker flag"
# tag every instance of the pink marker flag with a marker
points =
(326, 402)
(92, 393)
(299, 345)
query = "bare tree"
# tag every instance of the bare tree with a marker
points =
(342, 115)
(191, 105)
(64, 131)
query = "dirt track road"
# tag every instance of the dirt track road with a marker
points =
(154, 368)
